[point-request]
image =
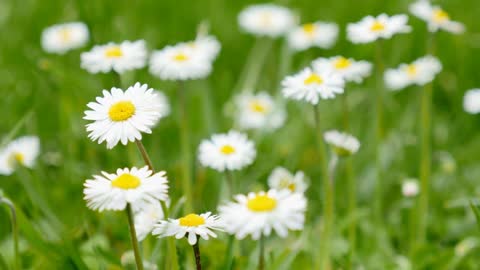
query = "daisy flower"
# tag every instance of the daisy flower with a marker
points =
(20, 152)
(372, 28)
(257, 214)
(121, 116)
(181, 62)
(209, 46)
(342, 143)
(317, 34)
(230, 151)
(281, 179)
(312, 85)
(60, 38)
(121, 57)
(410, 188)
(266, 20)
(112, 191)
(435, 17)
(191, 226)
(420, 72)
(257, 111)
(146, 218)
(350, 69)
(471, 101)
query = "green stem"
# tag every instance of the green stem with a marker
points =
(196, 251)
(261, 253)
(16, 254)
(230, 183)
(133, 236)
(379, 134)
(185, 145)
(228, 264)
(328, 195)
(352, 210)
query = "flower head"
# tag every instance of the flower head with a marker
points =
(471, 101)
(261, 213)
(342, 143)
(112, 191)
(410, 188)
(419, 72)
(191, 226)
(348, 68)
(281, 179)
(181, 62)
(372, 28)
(121, 116)
(208, 46)
(436, 17)
(230, 151)
(60, 38)
(266, 20)
(20, 152)
(317, 34)
(121, 57)
(258, 111)
(146, 218)
(312, 85)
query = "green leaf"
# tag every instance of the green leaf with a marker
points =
(476, 211)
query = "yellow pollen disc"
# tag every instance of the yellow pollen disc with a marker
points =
(377, 26)
(266, 19)
(257, 106)
(191, 220)
(227, 149)
(313, 78)
(439, 15)
(126, 181)
(291, 187)
(309, 29)
(65, 35)
(16, 159)
(411, 70)
(342, 63)
(261, 203)
(113, 52)
(121, 111)
(180, 57)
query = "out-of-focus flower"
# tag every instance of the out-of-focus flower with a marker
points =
(471, 101)
(60, 38)
(281, 178)
(343, 144)
(266, 20)
(372, 28)
(145, 219)
(20, 152)
(258, 111)
(436, 17)
(317, 34)
(419, 72)
(410, 188)
(348, 68)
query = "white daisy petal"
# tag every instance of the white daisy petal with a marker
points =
(317, 34)
(435, 17)
(342, 143)
(372, 28)
(419, 72)
(258, 111)
(20, 152)
(61, 38)
(471, 101)
(282, 179)
(266, 20)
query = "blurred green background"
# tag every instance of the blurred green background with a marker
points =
(47, 95)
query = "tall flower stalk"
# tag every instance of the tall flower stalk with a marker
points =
(133, 237)
(185, 146)
(378, 207)
(13, 212)
(196, 251)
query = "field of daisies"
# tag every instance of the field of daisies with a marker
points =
(330, 135)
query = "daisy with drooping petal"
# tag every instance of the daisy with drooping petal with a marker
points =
(20, 152)
(121, 116)
(258, 111)
(471, 101)
(372, 28)
(191, 226)
(420, 72)
(181, 62)
(128, 55)
(60, 38)
(138, 187)
(317, 34)
(342, 143)
(230, 151)
(312, 85)
(281, 179)
(258, 214)
(266, 20)
(350, 69)
(146, 218)
(410, 188)
(436, 17)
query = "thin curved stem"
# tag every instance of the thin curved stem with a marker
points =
(196, 251)
(133, 236)
(13, 212)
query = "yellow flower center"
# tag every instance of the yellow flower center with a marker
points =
(261, 203)
(266, 19)
(291, 187)
(227, 149)
(309, 29)
(342, 63)
(180, 57)
(257, 106)
(113, 52)
(377, 26)
(439, 15)
(121, 111)
(191, 220)
(16, 159)
(313, 78)
(126, 181)
(411, 70)
(65, 35)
